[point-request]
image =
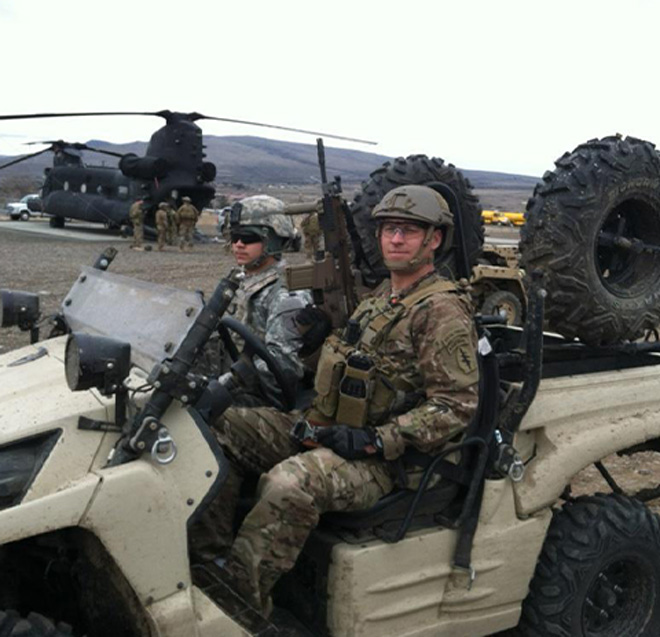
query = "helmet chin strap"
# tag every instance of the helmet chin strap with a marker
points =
(255, 264)
(416, 261)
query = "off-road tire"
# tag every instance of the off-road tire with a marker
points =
(598, 291)
(602, 553)
(34, 625)
(495, 302)
(414, 169)
(24, 216)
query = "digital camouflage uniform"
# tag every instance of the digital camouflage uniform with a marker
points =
(136, 216)
(311, 230)
(161, 226)
(186, 218)
(266, 306)
(428, 348)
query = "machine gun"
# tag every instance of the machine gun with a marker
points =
(330, 276)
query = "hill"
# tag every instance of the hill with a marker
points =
(255, 160)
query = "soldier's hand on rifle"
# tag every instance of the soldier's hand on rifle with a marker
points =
(352, 443)
(314, 326)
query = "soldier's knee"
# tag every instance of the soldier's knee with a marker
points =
(282, 481)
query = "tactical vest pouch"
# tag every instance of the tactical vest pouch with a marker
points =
(384, 396)
(355, 390)
(328, 376)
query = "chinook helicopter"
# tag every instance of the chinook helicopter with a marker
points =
(174, 166)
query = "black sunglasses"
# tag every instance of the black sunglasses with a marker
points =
(245, 237)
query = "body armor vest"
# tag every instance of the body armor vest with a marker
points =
(355, 383)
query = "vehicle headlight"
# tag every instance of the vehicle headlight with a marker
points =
(20, 462)
(96, 361)
(18, 308)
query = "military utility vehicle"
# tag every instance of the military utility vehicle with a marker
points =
(106, 458)
(497, 283)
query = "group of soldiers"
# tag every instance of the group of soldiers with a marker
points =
(172, 226)
(417, 336)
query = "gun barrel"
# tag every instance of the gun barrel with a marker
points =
(301, 208)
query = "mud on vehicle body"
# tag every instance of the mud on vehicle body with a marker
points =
(100, 484)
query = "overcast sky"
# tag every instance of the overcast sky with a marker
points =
(503, 85)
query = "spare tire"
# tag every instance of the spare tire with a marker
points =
(420, 170)
(593, 226)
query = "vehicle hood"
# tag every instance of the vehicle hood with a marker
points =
(34, 396)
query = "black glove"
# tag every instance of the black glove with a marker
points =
(352, 443)
(314, 325)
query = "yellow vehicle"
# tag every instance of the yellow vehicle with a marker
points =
(499, 218)
(487, 216)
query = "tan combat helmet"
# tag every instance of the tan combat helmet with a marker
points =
(262, 215)
(186, 199)
(418, 204)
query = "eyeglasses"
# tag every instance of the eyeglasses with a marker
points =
(247, 238)
(407, 230)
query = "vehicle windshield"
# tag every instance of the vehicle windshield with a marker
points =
(153, 318)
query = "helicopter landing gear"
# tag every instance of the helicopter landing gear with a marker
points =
(56, 222)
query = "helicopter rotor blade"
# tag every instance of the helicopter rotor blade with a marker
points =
(95, 114)
(76, 146)
(192, 117)
(20, 159)
(287, 128)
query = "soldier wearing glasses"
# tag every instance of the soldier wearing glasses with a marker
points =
(413, 341)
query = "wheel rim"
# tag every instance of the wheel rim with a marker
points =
(620, 599)
(628, 249)
(508, 310)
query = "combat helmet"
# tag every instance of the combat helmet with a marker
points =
(417, 204)
(263, 215)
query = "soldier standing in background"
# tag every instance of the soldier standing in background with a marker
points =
(416, 333)
(162, 224)
(172, 229)
(311, 230)
(136, 215)
(186, 218)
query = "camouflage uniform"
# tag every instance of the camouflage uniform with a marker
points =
(428, 347)
(136, 216)
(186, 218)
(312, 233)
(172, 228)
(161, 226)
(267, 307)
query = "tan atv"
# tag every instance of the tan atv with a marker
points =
(497, 284)
(106, 458)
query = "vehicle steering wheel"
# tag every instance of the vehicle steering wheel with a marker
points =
(254, 346)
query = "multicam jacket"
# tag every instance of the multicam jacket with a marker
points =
(423, 345)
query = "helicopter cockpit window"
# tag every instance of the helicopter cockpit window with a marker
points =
(83, 188)
(122, 191)
(65, 185)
